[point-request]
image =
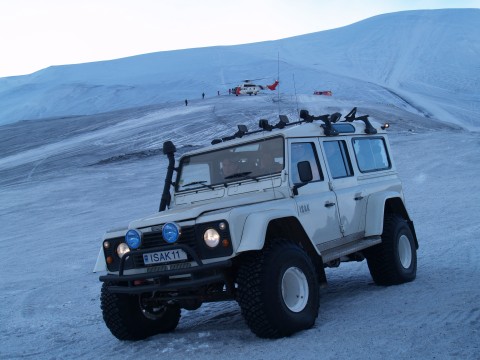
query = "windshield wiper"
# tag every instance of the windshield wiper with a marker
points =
(238, 175)
(245, 174)
(200, 183)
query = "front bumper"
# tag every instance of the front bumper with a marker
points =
(197, 276)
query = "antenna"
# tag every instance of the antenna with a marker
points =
(295, 89)
(278, 78)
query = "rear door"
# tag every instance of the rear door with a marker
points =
(350, 195)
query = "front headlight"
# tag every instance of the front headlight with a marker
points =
(122, 249)
(211, 237)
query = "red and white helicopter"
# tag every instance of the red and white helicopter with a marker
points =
(248, 88)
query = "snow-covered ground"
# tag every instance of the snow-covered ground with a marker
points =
(63, 182)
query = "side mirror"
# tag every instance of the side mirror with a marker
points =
(305, 171)
(305, 174)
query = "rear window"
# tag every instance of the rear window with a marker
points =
(371, 154)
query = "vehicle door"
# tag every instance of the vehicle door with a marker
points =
(315, 201)
(350, 196)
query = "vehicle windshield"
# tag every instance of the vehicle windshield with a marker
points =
(237, 163)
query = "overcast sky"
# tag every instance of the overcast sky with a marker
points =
(35, 34)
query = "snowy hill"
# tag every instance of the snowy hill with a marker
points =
(429, 59)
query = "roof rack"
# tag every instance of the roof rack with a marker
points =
(350, 117)
(328, 124)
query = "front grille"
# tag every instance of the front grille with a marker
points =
(155, 239)
(168, 267)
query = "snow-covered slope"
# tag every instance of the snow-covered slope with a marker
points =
(63, 182)
(429, 58)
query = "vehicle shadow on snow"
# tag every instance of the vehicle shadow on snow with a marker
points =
(219, 316)
(345, 290)
(351, 294)
(346, 286)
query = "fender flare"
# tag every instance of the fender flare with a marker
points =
(375, 213)
(255, 228)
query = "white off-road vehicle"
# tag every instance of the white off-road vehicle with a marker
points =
(256, 217)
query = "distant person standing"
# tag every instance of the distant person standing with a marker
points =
(203, 95)
(218, 93)
(186, 102)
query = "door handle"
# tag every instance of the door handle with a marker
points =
(329, 204)
(360, 197)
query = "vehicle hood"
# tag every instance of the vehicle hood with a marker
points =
(192, 212)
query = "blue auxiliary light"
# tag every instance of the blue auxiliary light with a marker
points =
(171, 232)
(133, 238)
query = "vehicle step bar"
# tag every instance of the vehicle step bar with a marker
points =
(349, 248)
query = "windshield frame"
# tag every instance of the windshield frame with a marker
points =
(250, 159)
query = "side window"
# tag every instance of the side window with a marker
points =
(304, 151)
(371, 154)
(338, 160)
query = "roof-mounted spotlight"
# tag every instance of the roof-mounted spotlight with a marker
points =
(385, 126)
(242, 130)
(282, 122)
(264, 125)
(335, 117)
(305, 115)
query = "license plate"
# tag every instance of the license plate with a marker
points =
(164, 256)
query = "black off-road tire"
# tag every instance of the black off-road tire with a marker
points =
(126, 320)
(269, 312)
(394, 261)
